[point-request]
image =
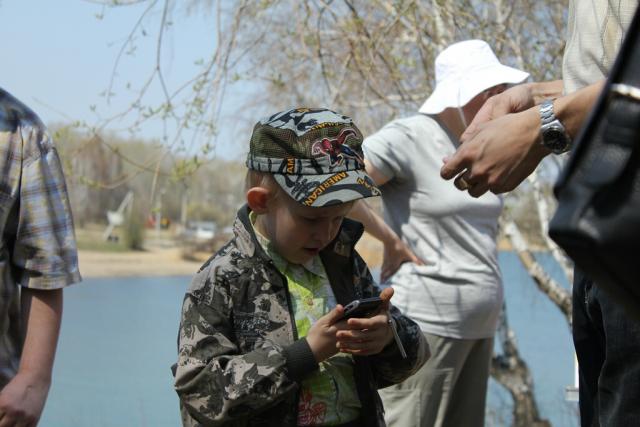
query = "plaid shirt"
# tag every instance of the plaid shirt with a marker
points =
(38, 247)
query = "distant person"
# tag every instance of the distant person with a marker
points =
(37, 259)
(510, 136)
(439, 245)
(260, 341)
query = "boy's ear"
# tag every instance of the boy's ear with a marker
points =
(257, 199)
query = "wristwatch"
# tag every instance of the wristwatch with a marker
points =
(554, 135)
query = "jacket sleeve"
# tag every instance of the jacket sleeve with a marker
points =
(215, 382)
(389, 366)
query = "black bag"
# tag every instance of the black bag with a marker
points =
(598, 217)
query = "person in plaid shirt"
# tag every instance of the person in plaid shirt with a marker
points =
(38, 258)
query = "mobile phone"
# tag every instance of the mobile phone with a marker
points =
(361, 308)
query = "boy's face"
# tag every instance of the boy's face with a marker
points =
(299, 232)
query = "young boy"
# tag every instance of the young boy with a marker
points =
(261, 342)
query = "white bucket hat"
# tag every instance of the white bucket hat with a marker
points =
(464, 70)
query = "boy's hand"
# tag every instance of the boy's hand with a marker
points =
(322, 335)
(364, 337)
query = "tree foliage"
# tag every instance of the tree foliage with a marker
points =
(373, 59)
(101, 169)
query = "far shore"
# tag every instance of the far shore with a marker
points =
(151, 262)
(169, 261)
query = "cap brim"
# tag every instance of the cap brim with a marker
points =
(458, 92)
(328, 189)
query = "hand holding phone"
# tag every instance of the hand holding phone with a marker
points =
(373, 336)
(361, 308)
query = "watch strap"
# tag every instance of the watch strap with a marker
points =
(553, 133)
(546, 112)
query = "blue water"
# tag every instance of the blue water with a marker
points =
(544, 340)
(118, 341)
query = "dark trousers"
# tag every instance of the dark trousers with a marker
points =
(607, 344)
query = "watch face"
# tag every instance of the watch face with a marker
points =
(555, 139)
(555, 136)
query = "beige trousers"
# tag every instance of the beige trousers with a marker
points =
(450, 390)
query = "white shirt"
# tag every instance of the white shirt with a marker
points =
(458, 293)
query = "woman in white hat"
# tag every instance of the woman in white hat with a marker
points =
(451, 285)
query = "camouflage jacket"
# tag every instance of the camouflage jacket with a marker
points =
(240, 360)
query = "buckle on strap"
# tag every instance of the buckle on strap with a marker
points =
(625, 90)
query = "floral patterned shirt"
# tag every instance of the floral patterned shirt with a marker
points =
(328, 396)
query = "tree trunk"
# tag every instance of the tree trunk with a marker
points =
(512, 372)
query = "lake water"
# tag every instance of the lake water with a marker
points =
(118, 341)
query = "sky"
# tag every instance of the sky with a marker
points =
(59, 56)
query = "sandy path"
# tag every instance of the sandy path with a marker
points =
(152, 262)
(167, 261)
(163, 261)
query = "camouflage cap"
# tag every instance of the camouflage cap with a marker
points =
(314, 154)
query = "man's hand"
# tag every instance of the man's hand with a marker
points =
(369, 336)
(499, 148)
(498, 156)
(395, 254)
(512, 100)
(22, 401)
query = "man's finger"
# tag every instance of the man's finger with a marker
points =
(461, 183)
(478, 190)
(472, 130)
(464, 181)
(453, 165)
(484, 115)
(468, 133)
